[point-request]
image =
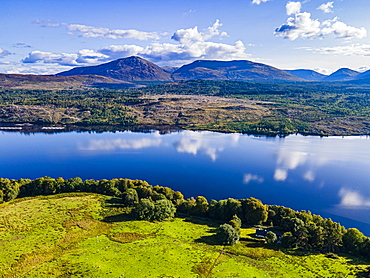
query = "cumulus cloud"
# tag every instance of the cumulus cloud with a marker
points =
(4, 53)
(303, 26)
(259, 1)
(250, 178)
(190, 44)
(351, 198)
(347, 50)
(87, 31)
(327, 7)
(48, 57)
(293, 8)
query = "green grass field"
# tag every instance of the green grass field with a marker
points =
(88, 235)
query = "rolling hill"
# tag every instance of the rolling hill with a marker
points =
(310, 75)
(238, 70)
(127, 69)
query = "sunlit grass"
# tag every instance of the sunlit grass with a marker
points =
(66, 236)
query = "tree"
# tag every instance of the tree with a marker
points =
(353, 240)
(227, 234)
(144, 210)
(178, 198)
(163, 209)
(333, 235)
(9, 190)
(201, 206)
(271, 237)
(159, 210)
(130, 197)
(288, 240)
(254, 211)
(315, 235)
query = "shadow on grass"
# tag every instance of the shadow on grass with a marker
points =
(114, 203)
(211, 239)
(117, 218)
(199, 220)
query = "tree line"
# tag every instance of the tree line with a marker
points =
(156, 203)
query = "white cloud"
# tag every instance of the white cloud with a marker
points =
(280, 175)
(293, 8)
(303, 26)
(347, 50)
(47, 23)
(48, 57)
(4, 53)
(351, 198)
(192, 35)
(191, 44)
(327, 7)
(102, 32)
(87, 31)
(259, 1)
(21, 68)
(250, 177)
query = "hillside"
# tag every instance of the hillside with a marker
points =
(80, 235)
(307, 74)
(126, 69)
(52, 82)
(342, 74)
(240, 70)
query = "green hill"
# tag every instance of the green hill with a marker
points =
(91, 235)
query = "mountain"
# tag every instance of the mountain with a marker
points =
(238, 70)
(363, 75)
(310, 75)
(343, 74)
(170, 69)
(52, 82)
(127, 69)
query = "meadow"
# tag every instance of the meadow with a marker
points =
(92, 235)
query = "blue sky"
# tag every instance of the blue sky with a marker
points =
(46, 37)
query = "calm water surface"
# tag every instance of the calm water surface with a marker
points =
(329, 176)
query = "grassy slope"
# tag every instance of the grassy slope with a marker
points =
(63, 236)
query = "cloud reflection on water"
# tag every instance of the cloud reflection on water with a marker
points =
(117, 144)
(203, 142)
(352, 199)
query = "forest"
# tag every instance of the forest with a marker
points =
(140, 200)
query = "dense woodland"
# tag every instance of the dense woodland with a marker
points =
(156, 203)
(279, 108)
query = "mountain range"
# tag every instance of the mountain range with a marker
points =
(132, 71)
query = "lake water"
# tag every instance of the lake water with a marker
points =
(328, 176)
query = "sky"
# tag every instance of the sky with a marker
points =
(47, 37)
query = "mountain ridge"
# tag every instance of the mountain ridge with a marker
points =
(129, 69)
